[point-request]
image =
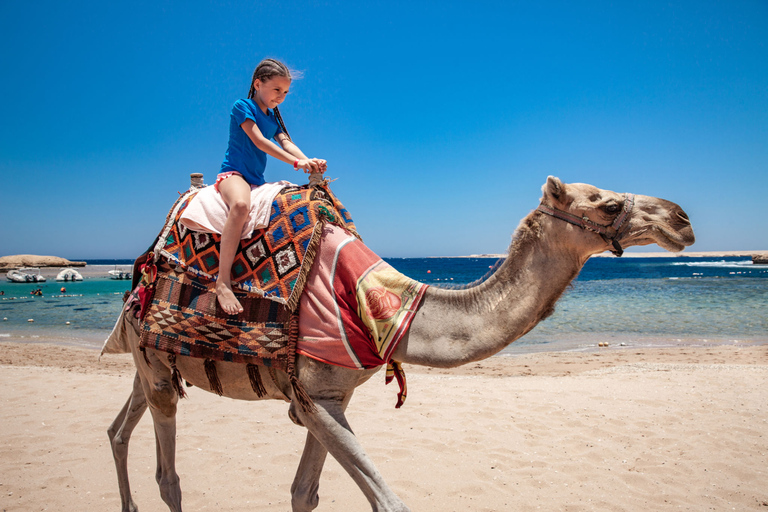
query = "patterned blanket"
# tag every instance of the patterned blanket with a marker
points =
(184, 318)
(355, 308)
(274, 262)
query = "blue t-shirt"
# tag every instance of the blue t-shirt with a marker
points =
(242, 154)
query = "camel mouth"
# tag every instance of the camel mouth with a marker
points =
(670, 240)
(670, 245)
(674, 241)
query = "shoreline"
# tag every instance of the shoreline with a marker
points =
(657, 429)
(88, 272)
(657, 254)
(87, 360)
(598, 342)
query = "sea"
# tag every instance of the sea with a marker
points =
(626, 303)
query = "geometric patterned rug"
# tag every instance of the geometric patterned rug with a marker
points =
(275, 261)
(184, 318)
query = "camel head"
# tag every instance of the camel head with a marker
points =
(612, 221)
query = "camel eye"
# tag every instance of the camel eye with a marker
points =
(612, 208)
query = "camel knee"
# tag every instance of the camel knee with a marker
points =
(293, 416)
(118, 443)
(305, 499)
(163, 398)
(112, 432)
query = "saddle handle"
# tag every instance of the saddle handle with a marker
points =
(315, 178)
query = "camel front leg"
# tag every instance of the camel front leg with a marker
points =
(329, 426)
(120, 435)
(306, 484)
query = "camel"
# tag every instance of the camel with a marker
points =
(451, 328)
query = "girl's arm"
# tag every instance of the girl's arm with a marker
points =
(290, 147)
(270, 148)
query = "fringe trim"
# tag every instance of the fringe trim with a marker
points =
(176, 376)
(161, 238)
(213, 376)
(338, 207)
(306, 266)
(299, 393)
(255, 377)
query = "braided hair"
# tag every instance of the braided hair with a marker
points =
(269, 68)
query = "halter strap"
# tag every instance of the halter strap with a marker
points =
(585, 223)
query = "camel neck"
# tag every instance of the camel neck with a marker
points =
(455, 327)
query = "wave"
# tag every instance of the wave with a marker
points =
(714, 264)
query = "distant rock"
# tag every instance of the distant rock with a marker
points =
(760, 259)
(31, 260)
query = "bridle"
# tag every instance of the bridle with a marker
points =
(603, 231)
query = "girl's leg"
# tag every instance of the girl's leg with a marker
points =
(237, 194)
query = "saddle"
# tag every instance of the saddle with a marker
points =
(180, 313)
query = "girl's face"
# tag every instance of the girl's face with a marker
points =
(272, 92)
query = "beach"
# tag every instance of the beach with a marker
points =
(682, 428)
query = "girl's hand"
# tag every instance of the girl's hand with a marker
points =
(322, 165)
(312, 165)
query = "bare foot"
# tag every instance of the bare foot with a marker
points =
(227, 299)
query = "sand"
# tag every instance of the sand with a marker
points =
(614, 430)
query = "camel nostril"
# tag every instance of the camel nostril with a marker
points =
(683, 216)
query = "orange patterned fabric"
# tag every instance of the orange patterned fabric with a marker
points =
(273, 263)
(184, 318)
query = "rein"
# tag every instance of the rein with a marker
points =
(585, 223)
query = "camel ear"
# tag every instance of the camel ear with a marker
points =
(554, 188)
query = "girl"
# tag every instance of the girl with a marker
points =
(253, 122)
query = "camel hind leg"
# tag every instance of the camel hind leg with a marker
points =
(161, 397)
(119, 433)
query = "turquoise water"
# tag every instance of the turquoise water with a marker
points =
(632, 302)
(90, 306)
(636, 302)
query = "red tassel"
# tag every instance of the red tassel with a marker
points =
(395, 370)
(145, 294)
(146, 288)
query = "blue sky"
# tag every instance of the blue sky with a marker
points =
(441, 120)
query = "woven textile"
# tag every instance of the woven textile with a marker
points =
(273, 263)
(356, 308)
(184, 318)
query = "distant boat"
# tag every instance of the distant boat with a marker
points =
(23, 275)
(119, 274)
(69, 274)
(17, 276)
(37, 278)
